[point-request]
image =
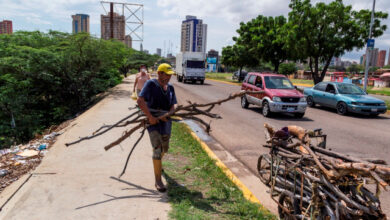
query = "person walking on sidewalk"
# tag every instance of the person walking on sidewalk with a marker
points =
(157, 100)
(141, 79)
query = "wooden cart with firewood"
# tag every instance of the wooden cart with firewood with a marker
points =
(308, 181)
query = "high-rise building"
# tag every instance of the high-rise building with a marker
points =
(381, 58)
(373, 57)
(193, 35)
(362, 59)
(6, 27)
(129, 41)
(80, 23)
(158, 51)
(118, 26)
(388, 59)
(335, 61)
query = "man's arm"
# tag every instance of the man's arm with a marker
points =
(166, 115)
(142, 105)
(135, 84)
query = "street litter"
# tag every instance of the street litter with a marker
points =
(42, 147)
(28, 153)
(3, 172)
(20, 159)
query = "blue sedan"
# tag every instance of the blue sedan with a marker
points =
(344, 97)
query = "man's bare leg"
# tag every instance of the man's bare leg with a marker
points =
(157, 165)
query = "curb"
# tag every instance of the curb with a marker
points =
(303, 85)
(247, 193)
(230, 83)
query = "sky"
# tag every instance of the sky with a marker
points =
(162, 18)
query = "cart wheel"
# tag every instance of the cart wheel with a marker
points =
(288, 202)
(264, 168)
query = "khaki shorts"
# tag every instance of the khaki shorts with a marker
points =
(160, 143)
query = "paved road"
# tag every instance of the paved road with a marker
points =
(241, 130)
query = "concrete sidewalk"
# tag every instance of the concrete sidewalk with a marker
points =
(79, 182)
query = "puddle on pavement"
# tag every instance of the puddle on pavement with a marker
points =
(199, 131)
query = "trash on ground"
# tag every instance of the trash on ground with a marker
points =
(21, 159)
(3, 172)
(28, 153)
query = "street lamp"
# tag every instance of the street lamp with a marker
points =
(370, 46)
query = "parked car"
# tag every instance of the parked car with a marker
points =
(239, 75)
(279, 94)
(344, 97)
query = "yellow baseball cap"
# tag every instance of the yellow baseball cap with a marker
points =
(166, 68)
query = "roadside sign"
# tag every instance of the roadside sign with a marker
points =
(370, 43)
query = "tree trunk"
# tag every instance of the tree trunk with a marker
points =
(323, 73)
(314, 73)
(276, 66)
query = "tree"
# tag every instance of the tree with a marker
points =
(287, 68)
(355, 68)
(263, 36)
(237, 56)
(322, 31)
(46, 78)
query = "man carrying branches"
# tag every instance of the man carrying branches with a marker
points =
(157, 100)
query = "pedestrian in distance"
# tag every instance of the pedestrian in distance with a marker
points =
(141, 79)
(157, 100)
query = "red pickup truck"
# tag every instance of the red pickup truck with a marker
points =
(279, 94)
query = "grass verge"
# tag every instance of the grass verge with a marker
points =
(381, 91)
(227, 77)
(197, 188)
(302, 81)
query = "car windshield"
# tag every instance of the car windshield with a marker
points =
(277, 82)
(349, 89)
(195, 64)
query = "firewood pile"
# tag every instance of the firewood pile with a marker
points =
(314, 182)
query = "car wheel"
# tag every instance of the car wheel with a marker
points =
(202, 82)
(299, 115)
(184, 79)
(244, 102)
(341, 108)
(266, 110)
(310, 101)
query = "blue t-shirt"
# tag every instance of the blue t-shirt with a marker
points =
(158, 99)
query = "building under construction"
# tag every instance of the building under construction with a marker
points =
(118, 28)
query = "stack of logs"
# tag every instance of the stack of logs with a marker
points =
(312, 181)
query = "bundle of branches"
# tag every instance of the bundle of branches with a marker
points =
(314, 178)
(139, 121)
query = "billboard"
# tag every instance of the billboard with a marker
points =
(212, 60)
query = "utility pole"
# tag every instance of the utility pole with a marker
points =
(370, 46)
(111, 20)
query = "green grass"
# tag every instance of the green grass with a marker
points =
(197, 188)
(302, 81)
(381, 91)
(227, 77)
(388, 105)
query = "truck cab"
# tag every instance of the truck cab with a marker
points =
(190, 66)
(279, 95)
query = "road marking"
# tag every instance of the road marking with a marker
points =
(246, 192)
